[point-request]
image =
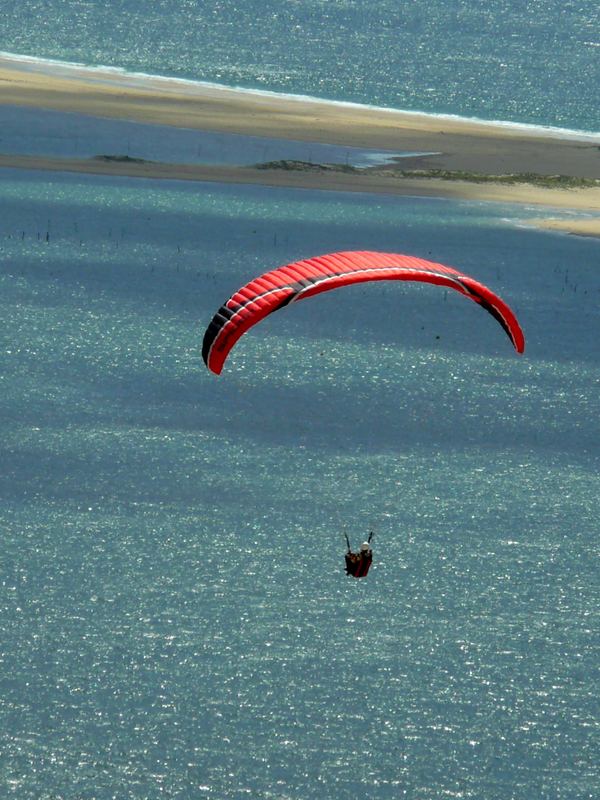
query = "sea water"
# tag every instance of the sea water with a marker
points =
(533, 62)
(175, 617)
(45, 132)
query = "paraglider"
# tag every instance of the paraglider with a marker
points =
(303, 279)
(358, 564)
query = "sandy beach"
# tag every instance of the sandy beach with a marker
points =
(455, 145)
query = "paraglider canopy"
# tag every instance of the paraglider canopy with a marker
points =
(303, 279)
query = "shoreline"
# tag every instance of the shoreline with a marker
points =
(366, 181)
(454, 145)
(118, 76)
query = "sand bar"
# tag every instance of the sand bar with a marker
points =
(379, 182)
(579, 227)
(463, 145)
(459, 145)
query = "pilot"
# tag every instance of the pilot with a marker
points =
(358, 564)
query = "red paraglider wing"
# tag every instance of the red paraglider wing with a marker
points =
(302, 279)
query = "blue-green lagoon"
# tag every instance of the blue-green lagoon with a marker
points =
(175, 618)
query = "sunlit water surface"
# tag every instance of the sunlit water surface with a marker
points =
(534, 62)
(175, 617)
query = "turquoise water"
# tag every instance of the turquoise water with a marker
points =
(175, 618)
(175, 621)
(535, 62)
